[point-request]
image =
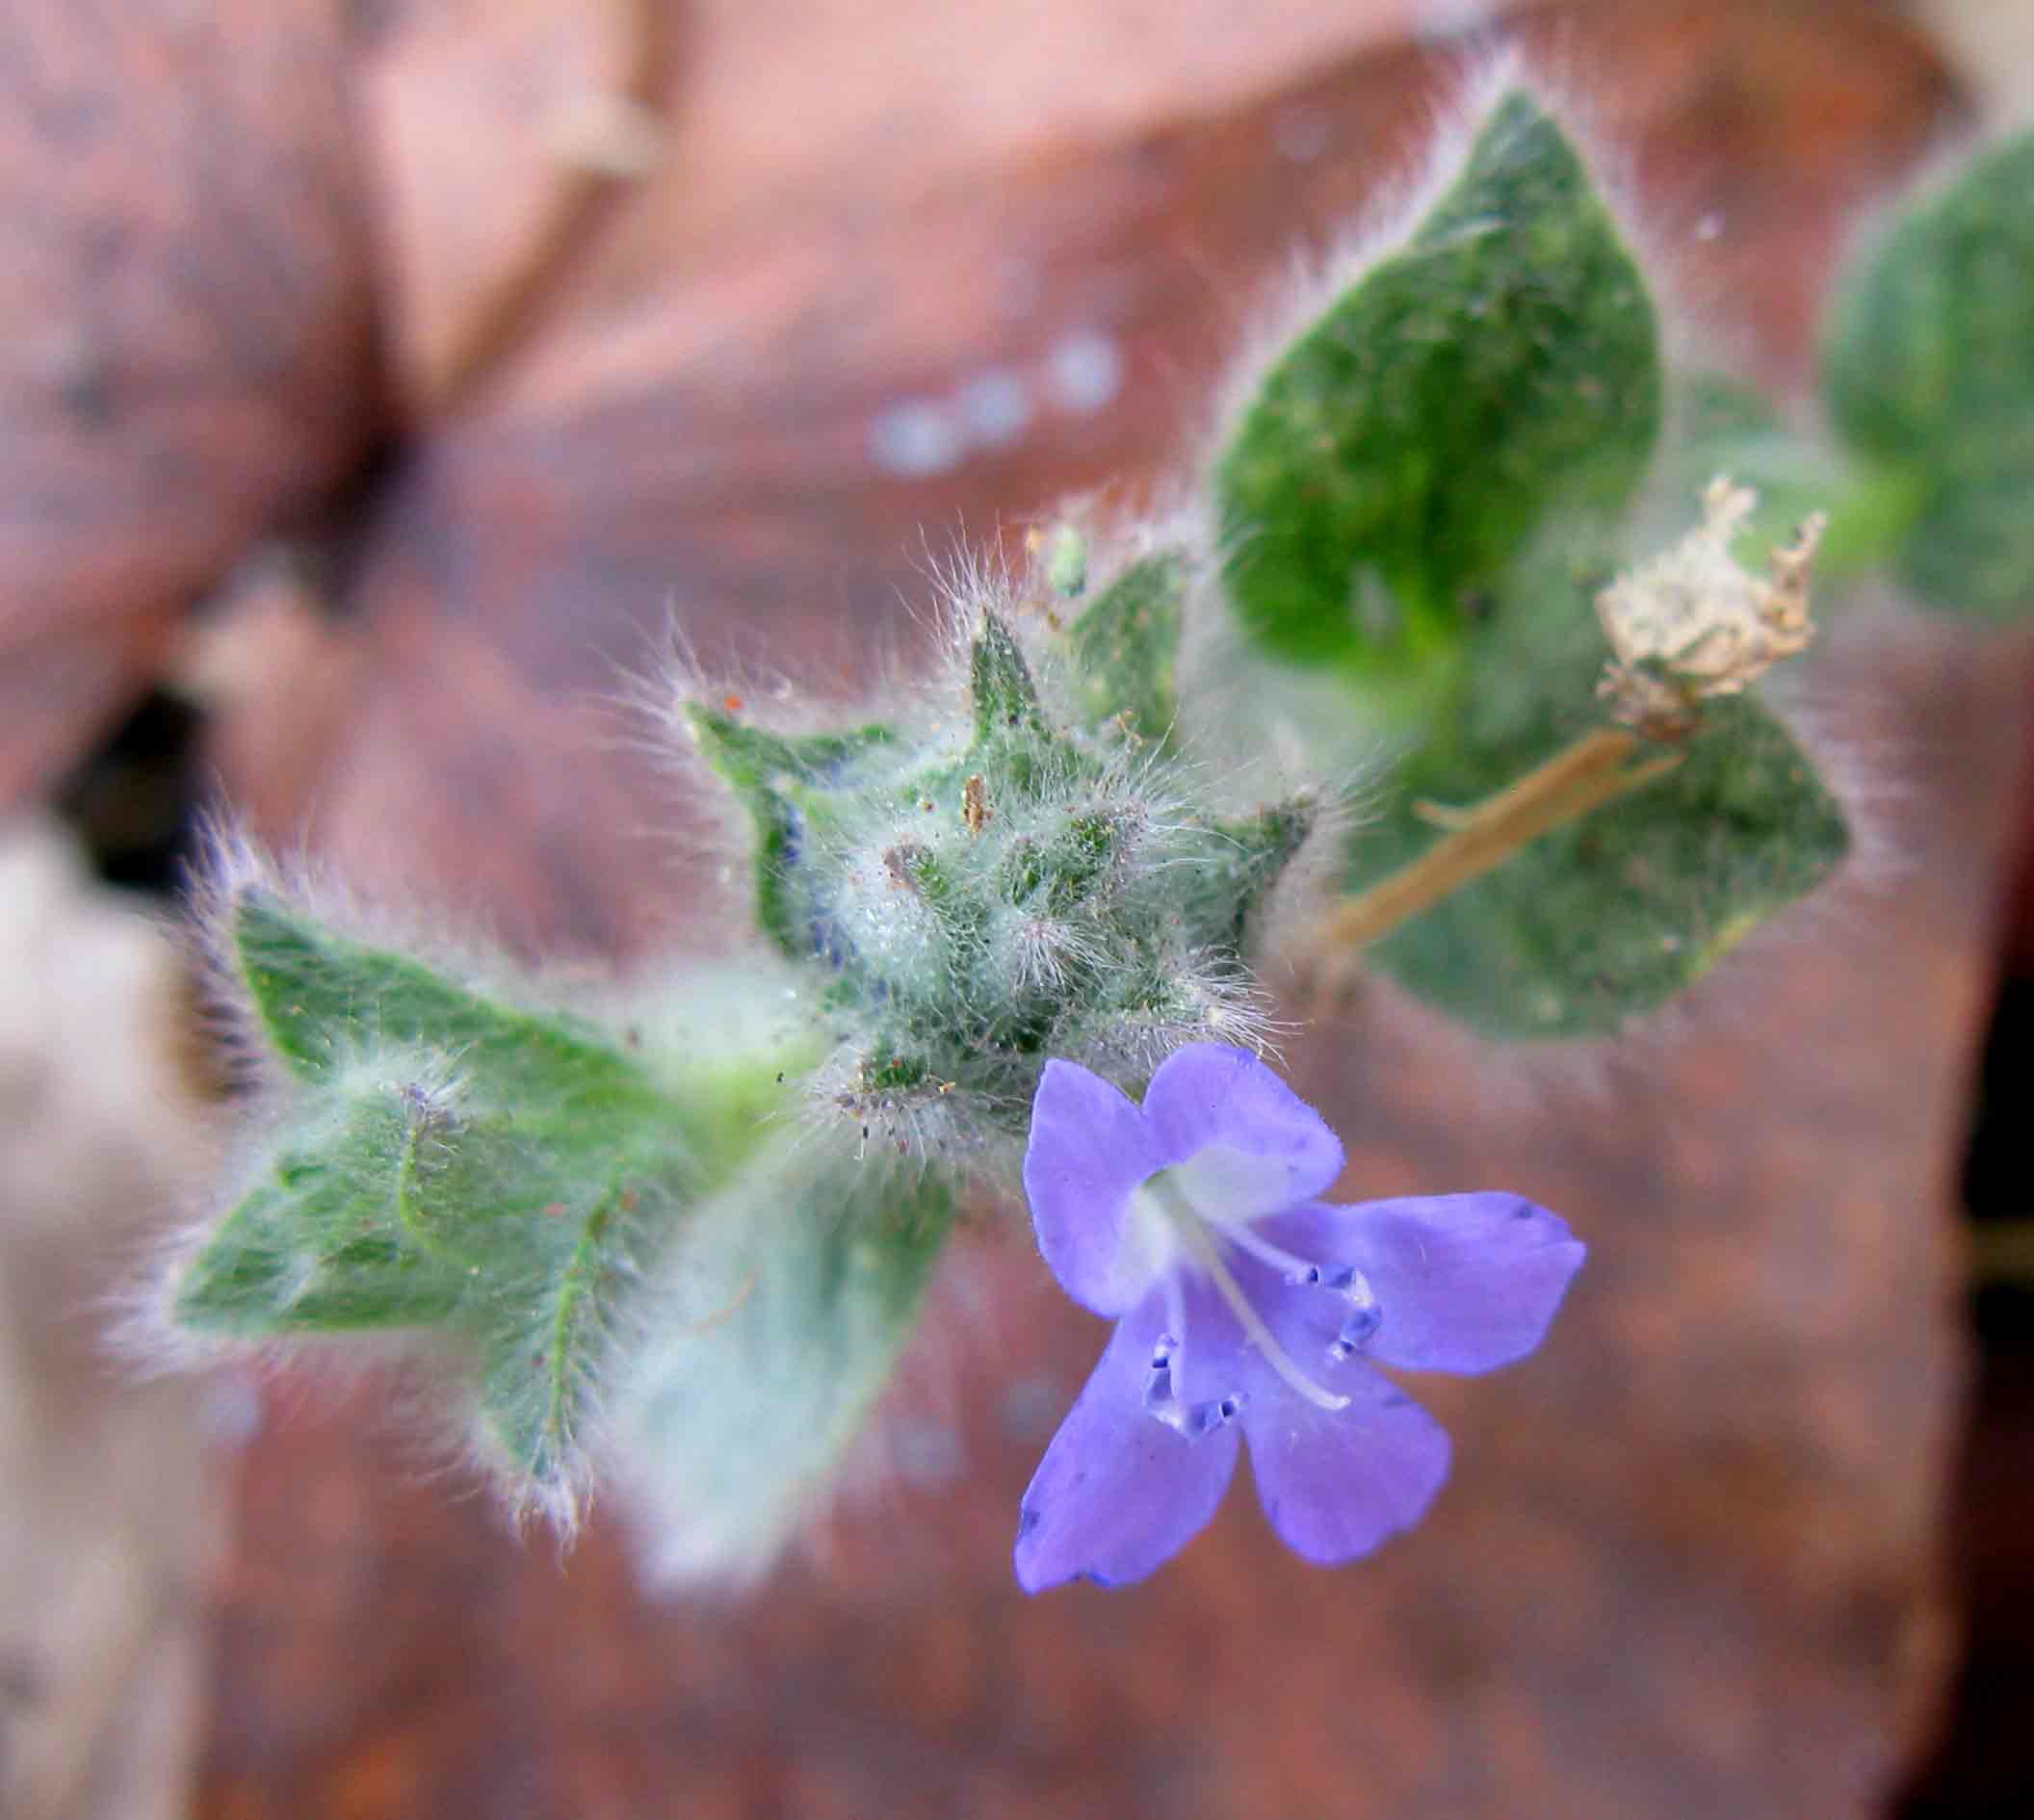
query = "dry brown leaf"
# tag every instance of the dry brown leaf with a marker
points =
(183, 280)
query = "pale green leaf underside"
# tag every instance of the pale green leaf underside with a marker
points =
(800, 1287)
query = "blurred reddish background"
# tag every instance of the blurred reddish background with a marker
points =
(387, 373)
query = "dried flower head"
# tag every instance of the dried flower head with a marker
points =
(1691, 623)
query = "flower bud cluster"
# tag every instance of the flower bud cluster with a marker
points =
(999, 881)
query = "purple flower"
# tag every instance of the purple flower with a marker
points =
(1245, 1306)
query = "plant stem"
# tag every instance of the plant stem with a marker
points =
(1570, 785)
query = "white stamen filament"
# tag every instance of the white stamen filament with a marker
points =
(1194, 1231)
(1297, 1269)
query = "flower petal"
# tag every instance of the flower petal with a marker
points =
(1336, 1483)
(1463, 1282)
(1279, 1150)
(1091, 1150)
(1118, 1494)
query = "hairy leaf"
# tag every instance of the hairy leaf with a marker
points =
(506, 1178)
(1125, 650)
(1501, 363)
(1929, 373)
(798, 1289)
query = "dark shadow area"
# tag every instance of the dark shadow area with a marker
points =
(135, 803)
(1983, 1768)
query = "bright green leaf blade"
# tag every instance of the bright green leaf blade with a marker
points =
(1125, 650)
(1929, 370)
(1501, 363)
(802, 1284)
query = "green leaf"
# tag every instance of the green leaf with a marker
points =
(1000, 685)
(325, 1000)
(1125, 650)
(1616, 913)
(1721, 425)
(506, 1177)
(545, 1344)
(318, 1243)
(1226, 891)
(1401, 452)
(1066, 563)
(786, 781)
(803, 1282)
(1929, 370)
(751, 758)
(1619, 913)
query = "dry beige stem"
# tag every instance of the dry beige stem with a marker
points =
(1692, 624)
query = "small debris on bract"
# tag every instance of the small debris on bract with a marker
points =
(975, 808)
